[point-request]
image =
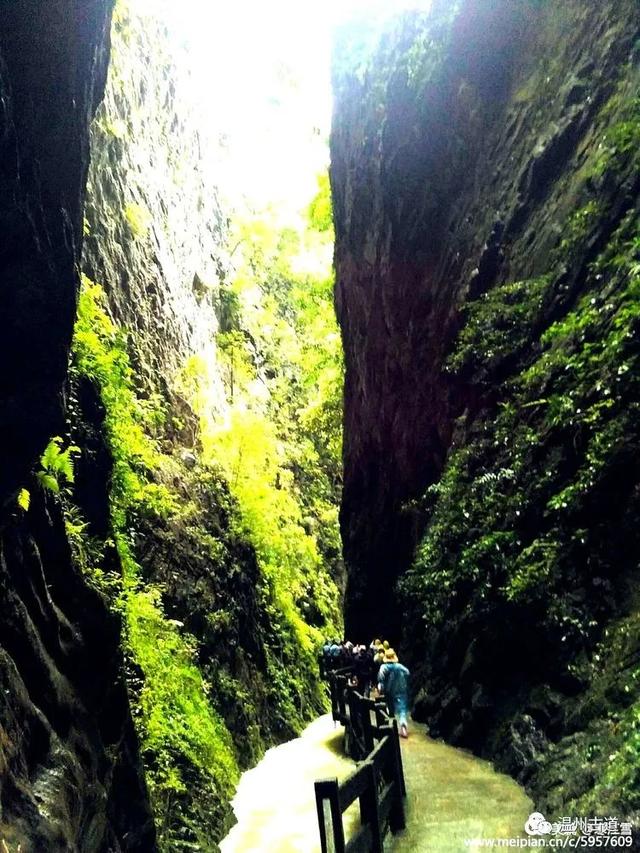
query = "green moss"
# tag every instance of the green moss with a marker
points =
(138, 219)
(185, 744)
(188, 753)
(578, 227)
(261, 696)
(578, 390)
(498, 326)
(100, 353)
(598, 769)
(621, 140)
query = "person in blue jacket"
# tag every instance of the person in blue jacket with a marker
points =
(393, 684)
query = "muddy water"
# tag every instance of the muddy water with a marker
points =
(451, 797)
(275, 804)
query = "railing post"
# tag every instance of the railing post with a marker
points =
(356, 723)
(396, 816)
(381, 716)
(400, 765)
(329, 816)
(341, 686)
(366, 725)
(332, 693)
(369, 812)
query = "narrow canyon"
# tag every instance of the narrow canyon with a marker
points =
(401, 400)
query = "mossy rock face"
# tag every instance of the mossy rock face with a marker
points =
(488, 269)
(70, 770)
(216, 670)
(212, 582)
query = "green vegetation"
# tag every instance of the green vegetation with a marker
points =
(132, 422)
(56, 465)
(24, 499)
(498, 327)
(320, 213)
(605, 749)
(205, 705)
(510, 505)
(622, 139)
(537, 509)
(186, 747)
(279, 444)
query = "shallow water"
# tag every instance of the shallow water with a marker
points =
(451, 796)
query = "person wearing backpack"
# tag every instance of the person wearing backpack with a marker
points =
(393, 684)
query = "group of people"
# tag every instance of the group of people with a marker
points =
(375, 670)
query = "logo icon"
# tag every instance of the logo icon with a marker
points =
(537, 824)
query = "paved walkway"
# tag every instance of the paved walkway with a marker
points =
(451, 796)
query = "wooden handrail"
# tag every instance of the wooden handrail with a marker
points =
(377, 782)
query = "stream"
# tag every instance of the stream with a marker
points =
(451, 796)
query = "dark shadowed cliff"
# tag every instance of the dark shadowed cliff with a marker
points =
(69, 767)
(485, 181)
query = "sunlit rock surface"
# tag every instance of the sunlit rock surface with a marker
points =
(155, 232)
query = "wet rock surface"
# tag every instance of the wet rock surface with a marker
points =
(71, 776)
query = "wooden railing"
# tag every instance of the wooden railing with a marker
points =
(371, 737)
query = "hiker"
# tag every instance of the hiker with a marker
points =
(323, 659)
(362, 669)
(393, 683)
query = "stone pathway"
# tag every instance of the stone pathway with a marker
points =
(451, 796)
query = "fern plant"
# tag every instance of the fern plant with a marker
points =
(24, 499)
(56, 465)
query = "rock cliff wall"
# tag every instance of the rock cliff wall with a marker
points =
(156, 235)
(47, 108)
(157, 633)
(217, 655)
(70, 776)
(484, 172)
